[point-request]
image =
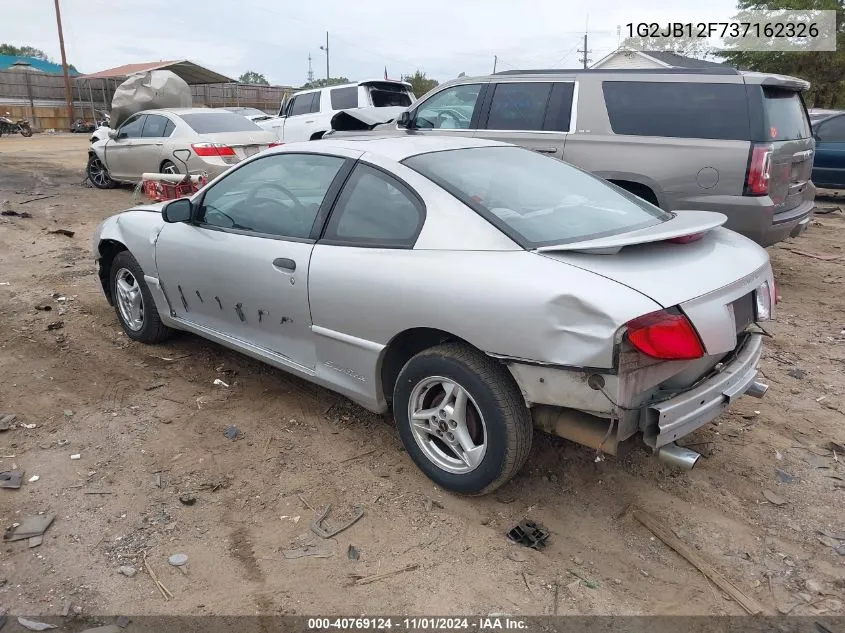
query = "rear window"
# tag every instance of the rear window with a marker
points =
(213, 122)
(536, 200)
(678, 109)
(387, 95)
(786, 118)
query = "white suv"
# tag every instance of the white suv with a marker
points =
(307, 115)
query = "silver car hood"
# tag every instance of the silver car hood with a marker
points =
(687, 271)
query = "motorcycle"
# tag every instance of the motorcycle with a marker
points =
(8, 126)
(82, 126)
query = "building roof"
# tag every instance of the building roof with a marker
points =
(38, 65)
(192, 73)
(680, 61)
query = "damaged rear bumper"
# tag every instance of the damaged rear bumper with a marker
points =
(667, 421)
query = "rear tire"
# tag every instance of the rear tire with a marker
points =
(26, 131)
(133, 302)
(169, 167)
(471, 430)
(98, 174)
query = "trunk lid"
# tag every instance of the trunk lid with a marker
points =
(672, 274)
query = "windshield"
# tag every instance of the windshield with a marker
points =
(785, 115)
(534, 199)
(211, 122)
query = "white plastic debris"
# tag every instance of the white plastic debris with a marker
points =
(28, 426)
(217, 381)
(77, 456)
(177, 560)
(34, 478)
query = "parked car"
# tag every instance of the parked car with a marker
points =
(145, 142)
(307, 114)
(479, 288)
(253, 114)
(709, 139)
(829, 164)
(817, 114)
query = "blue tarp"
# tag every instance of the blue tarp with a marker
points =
(50, 68)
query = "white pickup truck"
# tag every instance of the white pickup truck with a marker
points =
(307, 115)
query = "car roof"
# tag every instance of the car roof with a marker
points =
(395, 148)
(353, 84)
(181, 111)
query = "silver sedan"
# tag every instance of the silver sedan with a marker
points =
(479, 289)
(178, 140)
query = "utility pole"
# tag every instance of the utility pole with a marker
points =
(310, 70)
(495, 61)
(326, 48)
(68, 91)
(584, 59)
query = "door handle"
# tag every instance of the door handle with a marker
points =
(311, 121)
(285, 264)
(544, 150)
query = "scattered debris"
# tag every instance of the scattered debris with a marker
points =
(784, 476)
(774, 499)
(817, 461)
(16, 214)
(55, 325)
(32, 625)
(64, 232)
(122, 621)
(746, 602)
(826, 540)
(187, 498)
(430, 504)
(127, 570)
(323, 531)
(33, 479)
(108, 628)
(839, 536)
(177, 560)
(11, 479)
(232, 432)
(587, 582)
(155, 385)
(352, 553)
(824, 258)
(27, 426)
(34, 541)
(29, 527)
(68, 413)
(797, 373)
(219, 382)
(76, 456)
(366, 580)
(529, 534)
(315, 549)
(517, 556)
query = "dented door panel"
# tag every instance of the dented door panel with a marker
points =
(249, 287)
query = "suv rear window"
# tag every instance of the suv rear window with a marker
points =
(211, 122)
(678, 109)
(786, 118)
(535, 200)
(386, 95)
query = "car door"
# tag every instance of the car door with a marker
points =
(536, 115)
(453, 110)
(301, 121)
(119, 153)
(149, 148)
(239, 271)
(829, 163)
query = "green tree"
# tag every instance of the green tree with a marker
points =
(420, 84)
(825, 70)
(23, 51)
(252, 77)
(323, 83)
(686, 46)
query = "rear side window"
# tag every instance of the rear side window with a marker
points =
(344, 98)
(678, 109)
(832, 130)
(559, 112)
(519, 106)
(156, 126)
(375, 209)
(786, 118)
(212, 122)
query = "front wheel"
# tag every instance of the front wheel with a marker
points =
(462, 419)
(98, 174)
(133, 302)
(26, 131)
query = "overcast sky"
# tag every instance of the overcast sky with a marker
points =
(440, 37)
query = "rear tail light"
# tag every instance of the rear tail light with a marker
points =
(271, 145)
(665, 335)
(775, 291)
(212, 149)
(759, 170)
(686, 239)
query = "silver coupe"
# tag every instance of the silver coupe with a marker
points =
(477, 288)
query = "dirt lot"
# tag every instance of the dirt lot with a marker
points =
(149, 425)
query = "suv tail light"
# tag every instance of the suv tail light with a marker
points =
(665, 335)
(212, 149)
(276, 144)
(759, 170)
(686, 239)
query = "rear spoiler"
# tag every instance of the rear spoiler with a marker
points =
(779, 81)
(361, 119)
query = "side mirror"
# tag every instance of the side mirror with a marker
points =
(112, 134)
(179, 210)
(404, 120)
